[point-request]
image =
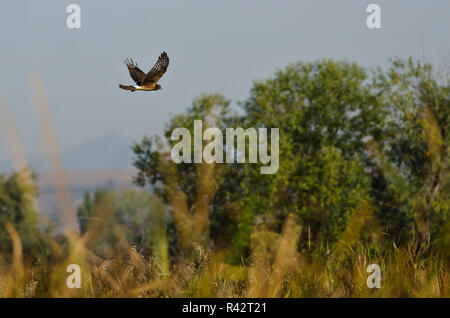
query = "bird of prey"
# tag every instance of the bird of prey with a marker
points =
(146, 82)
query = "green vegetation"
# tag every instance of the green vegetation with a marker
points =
(17, 208)
(363, 178)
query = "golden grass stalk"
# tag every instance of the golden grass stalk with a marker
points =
(53, 153)
(17, 155)
(14, 281)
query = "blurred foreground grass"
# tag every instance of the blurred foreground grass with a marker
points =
(275, 268)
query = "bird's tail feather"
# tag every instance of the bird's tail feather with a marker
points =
(128, 88)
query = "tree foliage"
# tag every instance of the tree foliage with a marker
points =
(349, 137)
(17, 196)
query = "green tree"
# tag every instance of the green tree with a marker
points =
(348, 138)
(17, 197)
(415, 170)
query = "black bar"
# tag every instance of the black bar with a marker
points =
(126, 307)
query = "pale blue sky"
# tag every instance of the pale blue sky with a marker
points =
(213, 45)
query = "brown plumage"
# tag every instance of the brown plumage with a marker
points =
(146, 82)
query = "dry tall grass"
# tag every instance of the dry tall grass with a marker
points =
(276, 267)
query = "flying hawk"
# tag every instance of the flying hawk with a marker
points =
(146, 82)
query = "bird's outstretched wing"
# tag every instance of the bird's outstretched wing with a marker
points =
(158, 70)
(136, 74)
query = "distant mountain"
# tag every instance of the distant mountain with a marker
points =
(104, 162)
(108, 152)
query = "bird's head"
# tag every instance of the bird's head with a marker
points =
(158, 87)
